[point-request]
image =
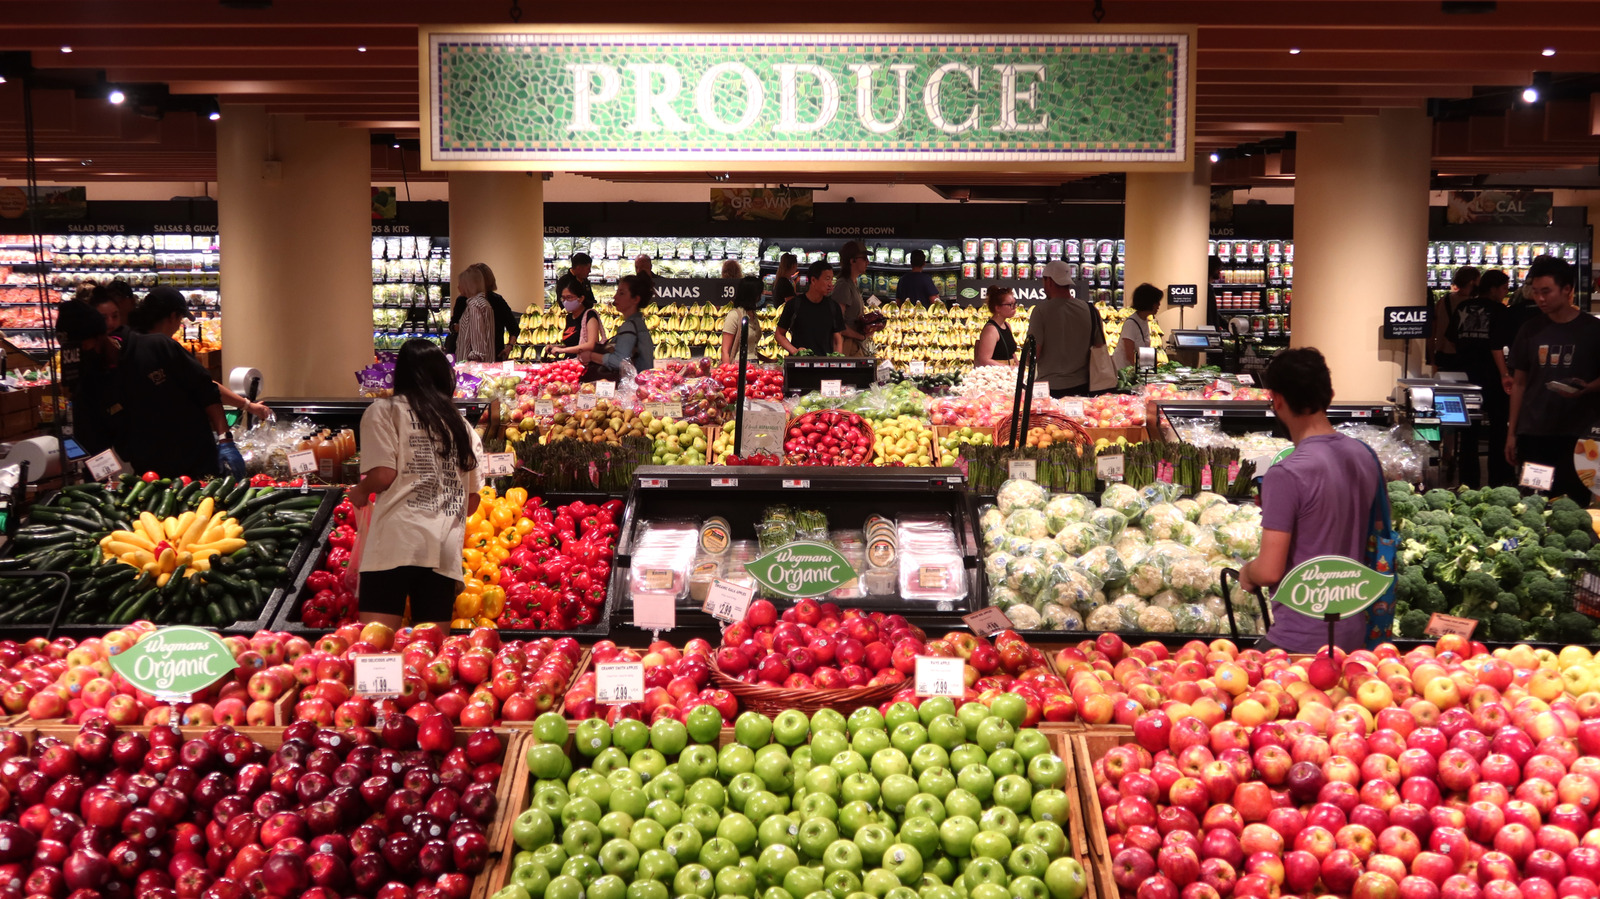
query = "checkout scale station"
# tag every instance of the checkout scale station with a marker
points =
(1441, 410)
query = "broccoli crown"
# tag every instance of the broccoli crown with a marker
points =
(1554, 540)
(1535, 503)
(1439, 500)
(1567, 627)
(1579, 541)
(1507, 569)
(1563, 521)
(1508, 628)
(1531, 519)
(1496, 519)
(1398, 489)
(1539, 593)
(1505, 497)
(1413, 623)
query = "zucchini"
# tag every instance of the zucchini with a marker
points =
(45, 515)
(80, 523)
(231, 610)
(139, 605)
(266, 533)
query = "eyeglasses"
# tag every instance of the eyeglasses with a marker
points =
(1012, 304)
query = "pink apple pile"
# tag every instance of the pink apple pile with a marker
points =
(395, 814)
(26, 668)
(676, 681)
(1445, 773)
(814, 644)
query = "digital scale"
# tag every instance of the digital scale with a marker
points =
(1197, 341)
(1439, 410)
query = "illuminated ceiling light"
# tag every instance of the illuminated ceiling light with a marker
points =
(1215, 158)
(361, 49)
(116, 96)
(2, 79)
(1530, 95)
(65, 49)
(214, 115)
(1294, 51)
(1548, 51)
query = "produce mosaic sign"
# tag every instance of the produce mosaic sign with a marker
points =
(500, 98)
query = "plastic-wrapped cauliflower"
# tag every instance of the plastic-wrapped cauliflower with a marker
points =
(1207, 499)
(1070, 585)
(1015, 545)
(1247, 512)
(1066, 508)
(1189, 508)
(1160, 493)
(1239, 539)
(1215, 607)
(1147, 576)
(1166, 599)
(1024, 617)
(1027, 523)
(1018, 493)
(1112, 521)
(1025, 575)
(1061, 618)
(1188, 533)
(1192, 578)
(1124, 499)
(1131, 546)
(1129, 608)
(1104, 563)
(1051, 552)
(991, 517)
(1079, 537)
(1216, 516)
(1156, 620)
(1104, 618)
(993, 536)
(996, 564)
(1003, 598)
(1163, 521)
(1192, 618)
(1204, 542)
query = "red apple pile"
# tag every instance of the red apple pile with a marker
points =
(1009, 665)
(676, 681)
(27, 668)
(828, 437)
(815, 644)
(1481, 782)
(396, 814)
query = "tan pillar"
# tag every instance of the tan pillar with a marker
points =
(498, 218)
(1361, 243)
(295, 214)
(1168, 221)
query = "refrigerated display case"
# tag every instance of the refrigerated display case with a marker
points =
(411, 293)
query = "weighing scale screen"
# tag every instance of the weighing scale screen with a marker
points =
(1193, 341)
(1451, 408)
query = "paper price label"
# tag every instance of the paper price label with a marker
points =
(104, 465)
(938, 676)
(1041, 390)
(1446, 625)
(796, 485)
(1247, 380)
(1109, 468)
(585, 401)
(544, 407)
(497, 465)
(1164, 471)
(724, 482)
(654, 612)
(1023, 469)
(728, 601)
(664, 410)
(1538, 477)
(832, 388)
(988, 622)
(617, 683)
(508, 366)
(1072, 408)
(605, 388)
(918, 368)
(302, 462)
(1205, 478)
(378, 675)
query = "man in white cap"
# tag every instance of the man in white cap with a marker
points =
(1062, 331)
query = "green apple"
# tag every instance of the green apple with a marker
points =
(551, 858)
(764, 804)
(630, 735)
(802, 880)
(987, 844)
(943, 868)
(816, 835)
(956, 835)
(1065, 879)
(742, 787)
(620, 857)
(896, 790)
(592, 735)
(666, 785)
(1029, 887)
(704, 724)
(905, 862)
(707, 792)
(1006, 761)
(753, 729)
(610, 759)
(791, 727)
(657, 864)
(702, 817)
(648, 761)
(920, 833)
(737, 829)
(547, 760)
(869, 740)
(827, 719)
(818, 805)
(901, 892)
(772, 765)
(532, 829)
(802, 759)
(608, 886)
(855, 815)
(887, 760)
(564, 887)
(735, 881)
(1013, 792)
(938, 890)
(984, 869)
(840, 884)
(899, 713)
(550, 797)
(936, 780)
(849, 762)
(996, 733)
(630, 802)
(1011, 707)
(668, 736)
(775, 892)
(1029, 860)
(1047, 835)
(735, 758)
(580, 808)
(665, 812)
(647, 833)
(693, 880)
(825, 744)
(583, 867)
(719, 853)
(872, 840)
(775, 863)
(968, 754)
(590, 785)
(864, 718)
(947, 731)
(510, 891)
(977, 780)
(842, 855)
(1001, 820)
(987, 890)
(924, 805)
(877, 883)
(861, 787)
(971, 715)
(551, 727)
(616, 824)
(1049, 806)
(909, 737)
(697, 762)
(683, 843)
(777, 830)
(933, 707)
(1032, 744)
(928, 755)
(647, 889)
(1046, 771)
(532, 877)
(624, 779)
(823, 780)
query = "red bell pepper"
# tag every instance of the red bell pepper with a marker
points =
(338, 558)
(343, 537)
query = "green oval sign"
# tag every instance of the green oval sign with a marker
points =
(1331, 585)
(802, 569)
(174, 663)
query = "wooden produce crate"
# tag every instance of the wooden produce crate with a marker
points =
(1077, 826)
(1087, 747)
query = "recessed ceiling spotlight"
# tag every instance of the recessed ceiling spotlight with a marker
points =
(86, 162)
(1215, 158)
(65, 49)
(1530, 95)
(1294, 51)
(214, 115)
(116, 96)
(361, 49)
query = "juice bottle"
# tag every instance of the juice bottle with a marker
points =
(327, 454)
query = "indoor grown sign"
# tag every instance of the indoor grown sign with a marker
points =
(801, 569)
(515, 98)
(174, 663)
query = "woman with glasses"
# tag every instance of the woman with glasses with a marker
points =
(996, 344)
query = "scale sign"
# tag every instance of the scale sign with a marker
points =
(940, 676)
(1407, 322)
(174, 663)
(1183, 294)
(618, 683)
(378, 675)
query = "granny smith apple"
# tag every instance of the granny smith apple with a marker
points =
(864, 718)
(619, 857)
(683, 843)
(1013, 792)
(616, 824)
(753, 729)
(899, 713)
(534, 878)
(666, 785)
(532, 829)
(855, 815)
(1028, 859)
(825, 744)
(802, 760)
(772, 765)
(818, 805)
(775, 892)
(889, 761)
(928, 755)
(922, 834)
(706, 792)
(943, 869)
(607, 886)
(1065, 878)
(668, 736)
(741, 787)
(630, 802)
(593, 735)
(1006, 761)
(583, 867)
(777, 830)
(987, 890)
(871, 841)
(1046, 771)
(510, 891)
(775, 863)
(719, 853)
(901, 892)
(624, 779)
(924, 805)
(547, 760)
(895, 791)
(840, 884)
(909, 737)
(956, 835)
(630, 735)
(905, 862)
(580, 808)
(995, 732)
(1001, 820)
(849, 762)
(984, 869)
(704, 724)
(551, 858)
(823, 780)
(977, 780)
(947, 731)
(861, 787)
(647, 833)
(802, 880)
(693, 880)
(971, 715)
(816, 835)
(702, 817)
(791, 727)
(877, 883)
(551, 800)
(564, 887)
(697, 762)
(842, 855)
(936, 780)
(647, 889)
(1047, 835)
(1011, 707)
(735, 881)
(827, 719)
(869, 740)
(738, 830)
(1032, 744)
(987, 844)
(1049, 805)
(764, 804)
(551, 727)
(649, 762)
(665, 812)
(1029, 887)
(657, 864)
(968, 754)
(735, 758)
(590, 785)
(933, 707)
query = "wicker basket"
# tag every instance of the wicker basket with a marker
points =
(772, 700)
(1002, 428)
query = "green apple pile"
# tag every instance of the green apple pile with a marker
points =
(907, 804)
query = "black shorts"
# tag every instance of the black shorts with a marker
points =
(433, 596)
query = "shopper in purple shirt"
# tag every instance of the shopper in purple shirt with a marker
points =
(1314, 503)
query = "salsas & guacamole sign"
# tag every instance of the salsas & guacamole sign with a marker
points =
(599, 99)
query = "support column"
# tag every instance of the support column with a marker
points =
(1360, 244)
(498, 218)
(295, 213)
(1168, 221)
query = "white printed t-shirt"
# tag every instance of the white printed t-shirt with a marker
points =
(421, 519)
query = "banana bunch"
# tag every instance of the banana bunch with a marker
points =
(160, 546)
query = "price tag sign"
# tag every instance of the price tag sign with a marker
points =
(1023, 469)
(1041, 390)
(508, 366)
(378, 675)
(728, 601)
(796, 485)
(1072, 408)
(303, 462)
(938, 676)
(724, 482)
(605, 388)
(988, 622)
(1205, 478)
(1538, 477)
(104, 465)
(585, 401)
(918, 368)
(1164, 471)
(1211, 413)
(1109, 468)
(499, 465)
(544, 407)
(618, 683)
(654, 612)
(832, 388)
(1445, 625)
(664, 410)
(1247, 380)
(652, 483)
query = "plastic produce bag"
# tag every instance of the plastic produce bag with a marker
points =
(1124, 499)
(1079, 537)
(1065, 509)
(1061, 618)
(1026, 575)
(1104, 618)
(1163, 521)
(1018, 493)
(1112, 521)
(1148, 575)
(1155, 620)
(1104, 563)
(1027, 522)
(1024, 617)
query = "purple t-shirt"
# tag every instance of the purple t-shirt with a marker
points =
(1321, 495)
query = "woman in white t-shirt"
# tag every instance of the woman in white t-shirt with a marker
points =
(746, 297)
(420, 468)
(1136, 330)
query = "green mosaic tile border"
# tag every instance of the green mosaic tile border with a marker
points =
(1099, 97)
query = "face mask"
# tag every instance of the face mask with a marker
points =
(572, 305)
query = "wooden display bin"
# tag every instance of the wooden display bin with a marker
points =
(1087, 747)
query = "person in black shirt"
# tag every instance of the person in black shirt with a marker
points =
(996, 344)
(815, 322)
(1472, 332)
(1555, 393)
(88, 355)
(166, 412)
(506, 322)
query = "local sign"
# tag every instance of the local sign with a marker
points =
(511, 98)
(802, 569)
(174, 663)
(1331, 585)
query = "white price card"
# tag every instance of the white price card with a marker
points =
(617, 683)
(918, 368)
(1041, 390)
(104, 465)
(585, 401)
(544, 407)
(1109, 468)
(939, 676)
(1538, 477)
(988, 621)
(728, 601)
(605, 388)
(1022, 469)
(1247, 380)
(1072, 408)
(832, 388)
(498, 465)
(508, 366)
(724, 482)
(302, 462)
(796, 485)
(673, 411)
(378, 675)
(1444, 625)
(654, 612)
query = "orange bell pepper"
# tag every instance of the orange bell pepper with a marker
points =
(494, 602)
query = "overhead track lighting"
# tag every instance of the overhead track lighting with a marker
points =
(116, 96)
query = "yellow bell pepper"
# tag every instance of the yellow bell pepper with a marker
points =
(471, 559)
(502, 516)
(517, 496)
(494, 601)
(524, 526)
(463, 623)
(487, 494)
(510, 538)
(468, 606)
(472, 586)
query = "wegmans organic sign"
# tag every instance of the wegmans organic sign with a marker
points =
(174, 663)
(801, 569)
(1331, 585)
(512, 98)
